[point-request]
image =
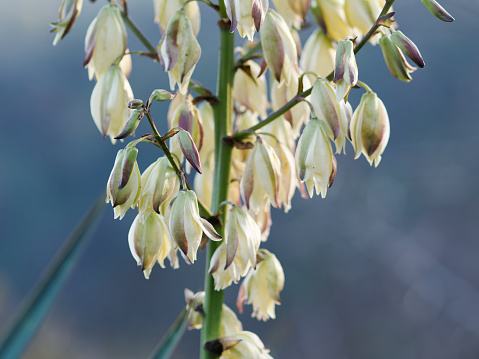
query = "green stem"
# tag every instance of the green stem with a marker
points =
(213, 303)
(138, 33)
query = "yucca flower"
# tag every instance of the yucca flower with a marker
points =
(318, 54)
(242, 345)
(67, 15)
(250, 90)
(166, 9)
(246, 15)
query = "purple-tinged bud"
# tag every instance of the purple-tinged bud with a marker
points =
(134, 104)
(162, 95)
(132, 124)
(437, 10)
(346, 70)
(408, 47)
(279, 48)
(326, 107)
(370, 128)
(68, 13)
(123, 187)
(189, 150)
(179, 51)
(246, 15)
(395, 60)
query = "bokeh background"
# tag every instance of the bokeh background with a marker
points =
(385, 267)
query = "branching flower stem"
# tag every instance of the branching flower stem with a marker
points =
(301, 95)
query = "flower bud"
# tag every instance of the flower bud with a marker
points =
(250, 90)
(294, 12)
(189, 150)
(135, 104)
(246, 15)
(125, 64)
(162, 95)
(345, 70)
(408, 47)
(370, 128)
(315, 160)
(105, 41)
(132, 124)
(179, 51)
(262, 286)
(260, 181)
(326, 107)
(159, 185)
(186, 225)
(437, 10)
(68, 13)
(108, 103)
(279, 48)
(397, 64)
(318, 54)
(166, 9)
(149, 241)
(123, 187)
(334, 18)
(242, 345)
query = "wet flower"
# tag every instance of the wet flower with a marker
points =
(68, 13)
(109, 102)
(149, 241)
(370, 128)
(105, 41)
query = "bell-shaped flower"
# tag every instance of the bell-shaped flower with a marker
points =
(345, 70)
(179, 51)
(159, 185)
(261, 177)
(334, 17)
(123, 187)
(279, 48)
(246, 15)
(250, 90)
(294, 12)
(223, 277)
(262, 286)
(395, 60)
(370, 128)
(242, 345)
(362, 15)
(109, 102)
(166, 9)
(186, 225)
(282, 94)
(229, 324)
(149, 241)
(68, 13)
(318, 54)
(105, 41)
(315, 160)
(330, 111)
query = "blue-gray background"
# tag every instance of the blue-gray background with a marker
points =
(385, 267)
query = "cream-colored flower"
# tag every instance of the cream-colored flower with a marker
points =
(318, 54)
(279, 48)
(123, 187)
(109, 102)
(249, 90)
(334, 17)
(179, 51)
(69, 11)
(149, 241)
(243, 345)
(105, 41)
(315, 160)
(262, 286)
(345, 70)
(246, 15)
(207, 116)
(294, 12)
(370, 128)
(186, 225)
(261, 177)
(362, 14)
(166, 9)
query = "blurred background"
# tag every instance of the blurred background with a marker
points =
(385, 267)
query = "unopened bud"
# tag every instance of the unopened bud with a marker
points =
(69, 11)
(134, 104)
(395, 60)
(408, 47)
(162, 95)
(127, 166)
(131, 125)
(346, 70)
(437, 10)
(189, 149)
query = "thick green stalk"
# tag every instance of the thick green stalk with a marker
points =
(213, 302)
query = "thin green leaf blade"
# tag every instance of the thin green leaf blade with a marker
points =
(172, 337)
(41, 299)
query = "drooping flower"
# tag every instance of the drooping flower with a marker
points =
(334, 17)
(395, 60)
(166, 9)
(362, 14)
(186, 225)
(294, 12)
(370, 128)
(246, 15)
(123, 187)
(261, 287)
(68, 13)
(179, 51)
(318, 54)
(242, 345)
(345, 70)
(105, 41)
(149, 241)
(109, 102)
